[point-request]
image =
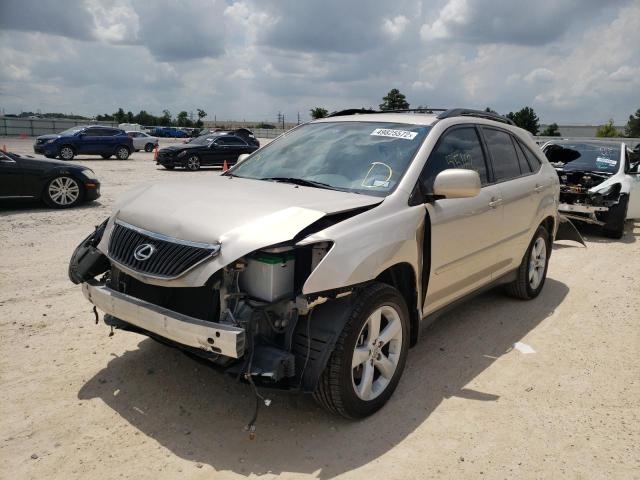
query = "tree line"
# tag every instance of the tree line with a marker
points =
(145, 118)
(525, 118)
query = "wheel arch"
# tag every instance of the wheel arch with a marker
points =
(402, 277)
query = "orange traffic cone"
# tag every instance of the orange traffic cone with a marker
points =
(4, 147)
(225, 166)
(155, 153)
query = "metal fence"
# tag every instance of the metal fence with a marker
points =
(32, 127)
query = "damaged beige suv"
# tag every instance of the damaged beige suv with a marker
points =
(311, 265)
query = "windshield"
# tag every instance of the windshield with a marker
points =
(585, 156)
(363, 157)
(71, 131)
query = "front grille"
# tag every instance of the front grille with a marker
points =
(170, 258)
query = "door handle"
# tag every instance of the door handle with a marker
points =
(495, 202)
(538, 188)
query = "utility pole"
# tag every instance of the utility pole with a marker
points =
(283, 121)
(298, 118)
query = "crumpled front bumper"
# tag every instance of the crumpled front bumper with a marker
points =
(183, 329)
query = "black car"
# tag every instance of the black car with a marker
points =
(244, 133)
(207, 150)
(58, 184)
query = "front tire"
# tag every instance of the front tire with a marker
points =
(63, 192)
(532, 272)
(148, 147)
(122, 153)
(106, 157)
(169, 167)
(67, 153)
(369, 357)
(193, 163)
(614, 221)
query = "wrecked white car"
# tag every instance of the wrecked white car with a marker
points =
(599, 182)
(310, 265)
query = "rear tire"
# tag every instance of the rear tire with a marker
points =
(122, 153)
(192, 163)
(614, 222)
(369, 357)
(532, 272)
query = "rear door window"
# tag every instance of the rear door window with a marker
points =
(503, 154)
(532, 159)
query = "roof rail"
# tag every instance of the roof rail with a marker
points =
(465, 112)
(351, 111)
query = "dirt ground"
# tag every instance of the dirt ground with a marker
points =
(76, 403)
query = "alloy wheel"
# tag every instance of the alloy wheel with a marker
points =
(376, 353)
(193, 163)
(537, 263)
(66, 153)
(64, 191)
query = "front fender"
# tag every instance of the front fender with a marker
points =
(367, 245)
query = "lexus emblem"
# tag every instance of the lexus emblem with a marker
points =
(143, 252)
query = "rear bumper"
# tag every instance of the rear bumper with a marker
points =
(193, 332)
(572, 208)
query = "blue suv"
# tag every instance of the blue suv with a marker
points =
(87, 140)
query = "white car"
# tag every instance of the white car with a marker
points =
(143, 141)
(599, 182)
(312, 263)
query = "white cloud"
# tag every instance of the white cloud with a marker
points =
(394, 27)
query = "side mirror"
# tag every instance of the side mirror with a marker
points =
(242, 158)
(456, 183)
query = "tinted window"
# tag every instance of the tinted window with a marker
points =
(522, 160)
(533, 160)
(230, 141)
(94, 132)
(459, 148)
(503, 154)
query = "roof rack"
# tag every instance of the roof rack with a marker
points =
(351, 111)
(465, 112)
(358, 111)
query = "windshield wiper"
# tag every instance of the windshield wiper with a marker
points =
(301, 181)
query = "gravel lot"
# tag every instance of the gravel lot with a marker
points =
(76, 403)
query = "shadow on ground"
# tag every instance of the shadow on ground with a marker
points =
(38, 206)
(199, 414)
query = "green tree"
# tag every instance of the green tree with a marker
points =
(201, 115)
(130, 116)
(165, 119)
(318, 112)
(633, 125)
(525, 118)
(607, 130)
(551, 130)
(120, 116)
(394, 100)
(183, 119)
(490, 110)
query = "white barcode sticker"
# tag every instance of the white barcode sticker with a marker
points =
(390, 132)
(607, 161)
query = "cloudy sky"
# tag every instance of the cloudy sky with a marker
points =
(573, 61)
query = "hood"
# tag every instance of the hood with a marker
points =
(182, 146)
(230, 209)
(50, 162)
(48, 137)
